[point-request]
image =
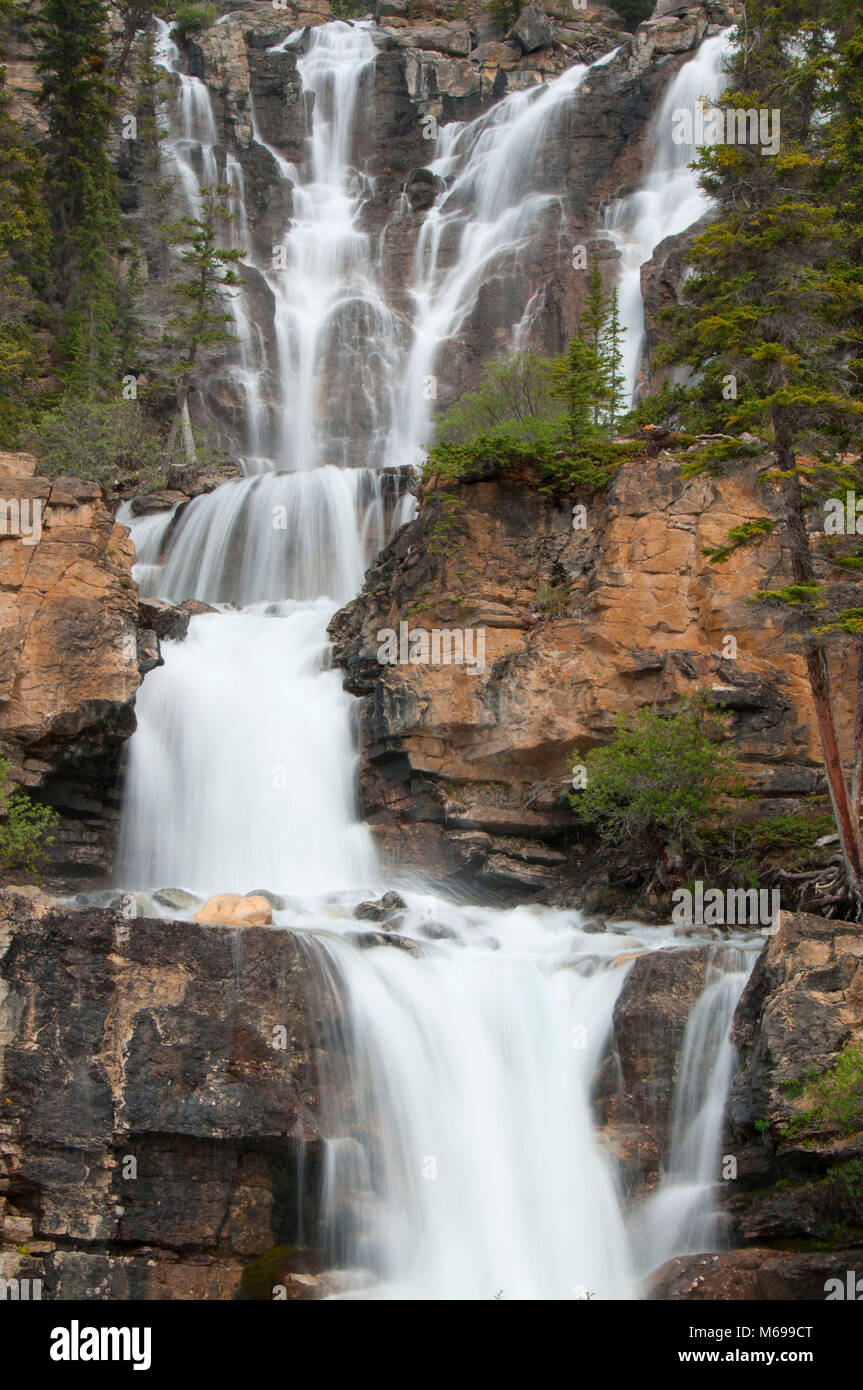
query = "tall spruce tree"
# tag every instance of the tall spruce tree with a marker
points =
(82, 189)
(24, 244)
(204, 321)
(766, 317)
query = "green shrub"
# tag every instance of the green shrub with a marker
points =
(504, 13)
(659, 779)
(24, 825)
(796, 832)
(834, 1100)
(98, 440)
(514, 421)
(190, 18)
(517, 394)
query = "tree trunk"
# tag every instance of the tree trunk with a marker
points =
(182, 425)
(845, 816)
(188, 436)
(843, 812)
(857, 771)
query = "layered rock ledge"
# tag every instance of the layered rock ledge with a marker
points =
(465, 775)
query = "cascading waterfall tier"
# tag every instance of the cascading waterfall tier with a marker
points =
(474, 1169)
(670, 198)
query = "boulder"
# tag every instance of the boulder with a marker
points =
(533, 29)
(774, 1275)
(176, 899)
(233, 910)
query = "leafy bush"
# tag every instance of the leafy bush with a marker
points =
(799, 832)
(658, 780)
(98, 440)
(518, 395)
(189, 18)
(834, 1100)
(24, 825)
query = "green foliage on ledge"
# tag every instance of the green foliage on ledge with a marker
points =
(190, 19)
(24, 825)
(659, 779)
(834, 1099)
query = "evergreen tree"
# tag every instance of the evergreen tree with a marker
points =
(595, 400)
(765, 318)
(24, 242)
(580, 385)
(82, 189)
(614, 362)
(203, 324)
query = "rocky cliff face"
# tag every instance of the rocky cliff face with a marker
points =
(71, 658)
(466, 774)
(435, 64)
(155, 1142)
(152, 1132)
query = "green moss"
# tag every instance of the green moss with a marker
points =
(263, 1274)
(834, 1098)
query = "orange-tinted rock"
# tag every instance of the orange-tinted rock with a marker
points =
(581, 626)
(233, 910)
(69, 657)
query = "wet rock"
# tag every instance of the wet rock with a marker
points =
(177, 899)
(156, 502)
(149, 654)
(380, 909)
(802, 1006)
(635, 1082)
(233, 910)
(196, 609)
(167, 620)
(422, 188)
(379, 938)
(100, 897)
(135, 1039)
(777, 1275)
(437, 931)
(276, 903)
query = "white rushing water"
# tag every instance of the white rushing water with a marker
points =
(681, 1216)
(475, 1170)
(669, 199)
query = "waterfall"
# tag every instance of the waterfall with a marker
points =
(466, 1165)
(496, 200)
(189, 149)
(669, 199)
(681, 1216)
(337, 340)
(479, 1172)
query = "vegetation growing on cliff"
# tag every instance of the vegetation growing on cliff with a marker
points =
(81, 189)
(73, 349)
(557, 415)
(659, 781)
(833, 1100)
(98, 440)
(25, 826)
(771, 321)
